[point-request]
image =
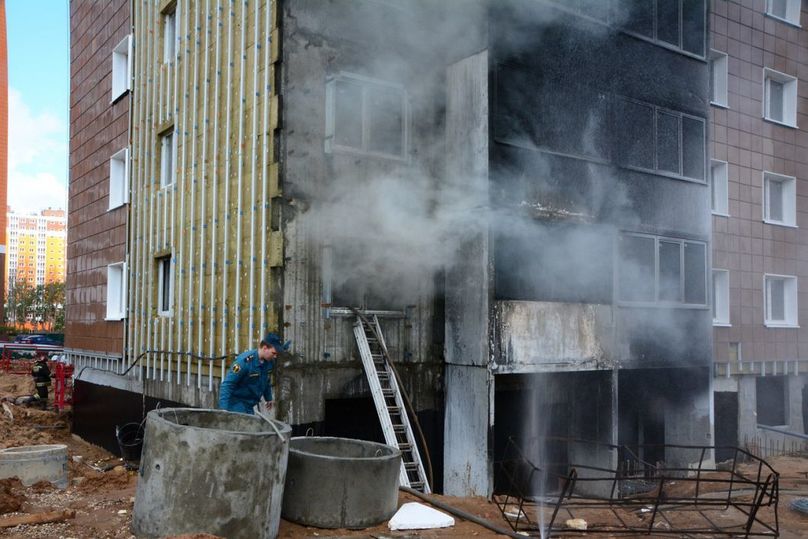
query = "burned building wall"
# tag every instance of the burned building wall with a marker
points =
(361, 169)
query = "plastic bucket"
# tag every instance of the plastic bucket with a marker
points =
(130, 441)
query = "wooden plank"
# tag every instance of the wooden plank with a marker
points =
(37, 518)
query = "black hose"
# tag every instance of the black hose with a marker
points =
(462, 514)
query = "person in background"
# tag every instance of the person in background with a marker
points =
(42, 379)
(250, 377)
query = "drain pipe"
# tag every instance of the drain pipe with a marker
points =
(461, 514)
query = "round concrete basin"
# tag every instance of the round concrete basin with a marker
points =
(341, 483)
(210, 471)
(34, 463)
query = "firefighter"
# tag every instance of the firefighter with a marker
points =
(42, 379)
(250, 377)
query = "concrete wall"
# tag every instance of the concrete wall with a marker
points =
(468, 303)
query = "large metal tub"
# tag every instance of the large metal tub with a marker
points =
(341, 483)
(210, 471)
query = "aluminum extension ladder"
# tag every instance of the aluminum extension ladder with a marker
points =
(389, 404)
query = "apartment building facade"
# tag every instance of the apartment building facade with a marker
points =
(758, 174)
(36, 248)
(99, 141)
(288, 161)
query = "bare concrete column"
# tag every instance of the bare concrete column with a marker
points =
(467, 466)
(794, 400)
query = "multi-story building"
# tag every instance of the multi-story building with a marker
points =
(99, 142)
(760, 213)
(532, 229)
(36, 248)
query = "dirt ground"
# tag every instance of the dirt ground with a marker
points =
(103, 500)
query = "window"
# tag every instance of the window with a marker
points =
(770, 393)
(658, 270)
(779, 97)
(718, 78)
(678, 24)
(780, 300)
(660, 140)
(720, 297)
(785, 10)
(165, 288)
(719, 188)
(367, 116)
(169, 35)
(116, 291)
(122, 67)
(779, 199)
(119, 179)
(168, 150)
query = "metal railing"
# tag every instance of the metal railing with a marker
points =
(739, 499)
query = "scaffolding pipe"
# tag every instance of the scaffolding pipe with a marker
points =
(237, 314)
(225, 228)
(150, 338)
(203, 225)
(174, 68)
(181, 263)
(253, 160)
(193, 188)
(216, 177)
(264, 167)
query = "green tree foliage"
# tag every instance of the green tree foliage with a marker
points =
(41, 306)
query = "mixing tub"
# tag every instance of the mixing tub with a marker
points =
(210, 471)
(341, 483)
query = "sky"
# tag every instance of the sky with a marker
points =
(38, 80)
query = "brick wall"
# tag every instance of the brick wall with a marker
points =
(96, 237)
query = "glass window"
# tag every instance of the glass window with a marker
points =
(670, 271)
(667, 142)
(637, 268)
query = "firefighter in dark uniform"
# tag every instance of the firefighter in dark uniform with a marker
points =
(250, 376)
(42, 379)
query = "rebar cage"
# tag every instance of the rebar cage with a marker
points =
(685, 494)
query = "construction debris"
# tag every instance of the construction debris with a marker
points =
(37, 518)
(417, 516)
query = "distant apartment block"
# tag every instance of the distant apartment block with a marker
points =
(36, 248)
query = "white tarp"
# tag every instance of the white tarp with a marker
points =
(417, 516)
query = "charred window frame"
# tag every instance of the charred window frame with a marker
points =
(659, 140)
(679, 25)
(366, 116)
(660, 271)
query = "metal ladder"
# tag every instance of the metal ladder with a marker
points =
(389, 403)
